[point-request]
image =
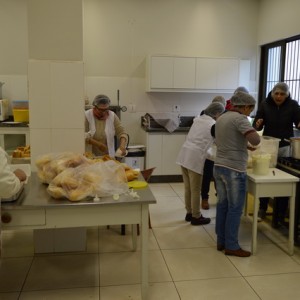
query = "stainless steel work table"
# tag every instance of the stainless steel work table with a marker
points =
(35, 209)
(275, 184)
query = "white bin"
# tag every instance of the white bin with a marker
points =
(135, 157)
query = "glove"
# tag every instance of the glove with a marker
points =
(120, 153)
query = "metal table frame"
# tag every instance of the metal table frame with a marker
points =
(37, 210)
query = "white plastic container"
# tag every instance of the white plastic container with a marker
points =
(261, 163)
(268, 145)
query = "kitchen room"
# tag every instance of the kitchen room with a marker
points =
(118, 36)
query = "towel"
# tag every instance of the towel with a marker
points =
(169, 121)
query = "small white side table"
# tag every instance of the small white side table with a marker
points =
(275, 184)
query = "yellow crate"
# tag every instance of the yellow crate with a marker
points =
(21, 115)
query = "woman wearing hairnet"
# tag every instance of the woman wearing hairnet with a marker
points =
(191, 158)
(101, 126)
(234, 135)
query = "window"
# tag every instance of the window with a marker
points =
(280, 62)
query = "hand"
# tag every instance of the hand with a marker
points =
(259, 123)
(102, 147)
(20, 174)
(121, 151)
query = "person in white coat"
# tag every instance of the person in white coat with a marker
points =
(10, 181)
(191, 158)
(101, 126)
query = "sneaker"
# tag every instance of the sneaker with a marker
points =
(200, 221)
(261, 214)
(239, 252)
(220, 247)
(188, 217)
(205, 204)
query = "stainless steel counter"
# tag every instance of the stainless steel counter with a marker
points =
(35, 209)
(36, 195)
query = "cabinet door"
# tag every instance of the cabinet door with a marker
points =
(161, 75)
(227, 74)
(153, 154)
(184, 72)
(171, 147)
(206, 73)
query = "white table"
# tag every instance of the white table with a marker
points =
(275, 184)
(37, 210)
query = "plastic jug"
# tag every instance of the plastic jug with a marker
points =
(268, 145)
(261, 163)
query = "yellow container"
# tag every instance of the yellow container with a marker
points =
(21, 115)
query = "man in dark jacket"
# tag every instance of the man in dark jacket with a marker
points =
(277, 116)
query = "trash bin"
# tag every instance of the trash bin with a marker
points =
(135, 157)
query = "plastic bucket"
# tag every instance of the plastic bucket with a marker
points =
(261, 164)
(268, 145)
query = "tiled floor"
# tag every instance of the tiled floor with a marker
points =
(184, 262)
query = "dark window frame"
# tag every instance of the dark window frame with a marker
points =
(264, 64)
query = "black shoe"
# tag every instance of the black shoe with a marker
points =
(200, 221)
(220, 247)
(188, 217)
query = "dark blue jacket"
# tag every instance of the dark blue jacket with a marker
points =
(278, 120)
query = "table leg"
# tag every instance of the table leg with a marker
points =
(144, 252)
(134, 236)
(292, 221)
(254, 225)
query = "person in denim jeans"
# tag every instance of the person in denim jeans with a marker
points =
(234, 135)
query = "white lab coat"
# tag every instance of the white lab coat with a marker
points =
(193, 152)
(9, 182)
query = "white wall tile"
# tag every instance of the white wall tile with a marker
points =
(67, 140)
(40, 143)
(39, 83)
(67, 95)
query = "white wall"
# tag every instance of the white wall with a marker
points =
(278, 20)
(118, 35)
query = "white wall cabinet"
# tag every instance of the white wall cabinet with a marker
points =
(162, 150)
(184, 72)
(192, 74)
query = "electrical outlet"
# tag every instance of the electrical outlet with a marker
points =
(132, 108)
(176, 108)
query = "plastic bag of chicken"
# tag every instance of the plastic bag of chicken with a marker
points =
(51, 164)
(90, 180)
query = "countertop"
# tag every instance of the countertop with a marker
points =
(179, 129)
(35, 195)
(10, 123)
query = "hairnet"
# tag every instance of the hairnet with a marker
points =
(282, 86)
(214, 109)
(241, 89)
(101, 99)
(241, 99)
(219, 99)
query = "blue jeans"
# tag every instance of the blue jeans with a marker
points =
(231, 190)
